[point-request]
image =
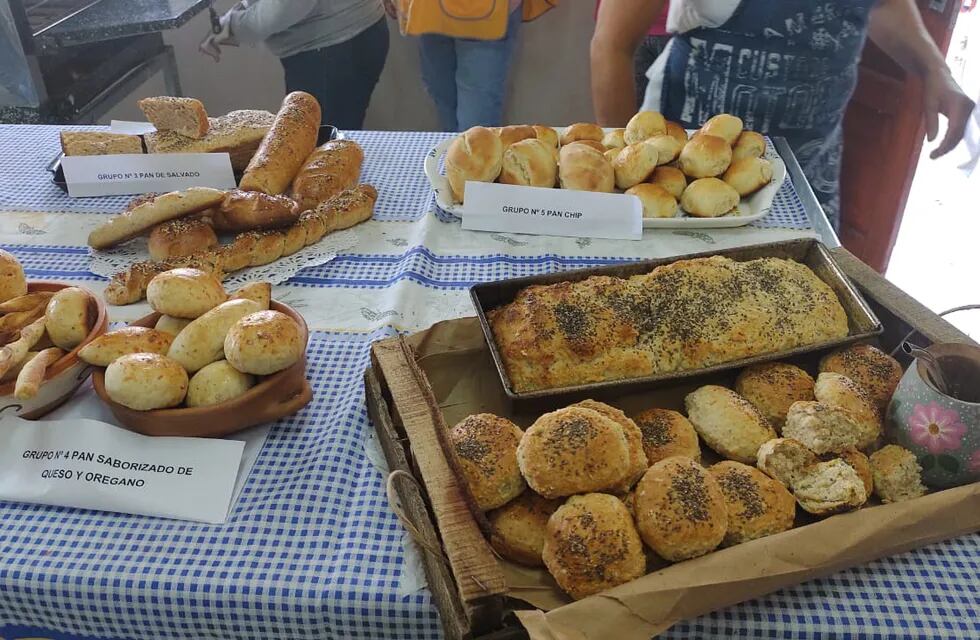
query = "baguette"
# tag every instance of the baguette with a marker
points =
(285, 147)
(150, 213)
(32, 374)
(330, 169)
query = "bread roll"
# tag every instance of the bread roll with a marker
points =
(264, 342)
(238, 134)
(546, 135)
(634, 164)
(823, 429)
(680, 509)
(185, 293)
(573, 450)
(611, 154)
(758, 506)
(152, 212)
(709, 198)
(30, 377)
(216, 383)
(829, 487)
(332, 167)
(530, 163)
(728, 423)
(518, 529)
(476, 154)
(515, 133)
(181, 237)
(614, 139)
(253, 211)
(657, 203)
(748, 175)
(749, 145)
(862, 465)
(260, 292)
(594, 144)
(99, 143)
(12, 280)
(665, 434)
(725, 126)
(668, 148)
(872, 369)
(785, 459)
(592, 545)
(486, 452)
(146, 381)
(773, 387)
(202, 341)
(285, 147)
(69, 317)
(835, 390)
(644, 125)
(634, 440)
(171, 325)
(585, 169)
(116, 344)
(897, 474)
(677, 132)
(582, 131)
(14, 371)
(185, 116)
(671, 179)
(705, 156)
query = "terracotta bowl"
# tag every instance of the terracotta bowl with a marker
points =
(64, 376)
(276, 396)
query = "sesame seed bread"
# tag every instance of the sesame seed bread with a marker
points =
(667, 433)
(773, 387)
(728, 423)
(634, 439)
(835, 390)
(185, 116)
(517, 529)
(860, 463)
(897, 474)
(829, 487)
(288, 143)
(784, 459)
(758, 506)
(822, 428)
(872, 369)
(486, 454)
(238, 133)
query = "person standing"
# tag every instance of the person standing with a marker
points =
(332, 49)
(650, 48)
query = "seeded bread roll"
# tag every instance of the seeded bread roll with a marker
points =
(749, 145)
(529, 163)
(874, 370)
(665, 434)
(546, 135)
(634, 439)
(748, 175)
(822, 428)
(897, 474)
(185, 116)
(862, 465)
(668, 147)
(285, 147)
(584, 169)
(705, 156)
(725, 126)
(709, 198)
(148, 213)
(835, 390)
(476, 154)
(517, 529)
(757, 505)
(784, 459)
(644, 125)
(332, 167)
(515, 133)
(634, 164)
(657, 203)
(573, 450)
(728, 423)
(680, 509)
(582, 131)
(486, 450)
(614, 139)
(671, 179)
(773, 387)
(677, 132)
(181, 237)
(829, 487)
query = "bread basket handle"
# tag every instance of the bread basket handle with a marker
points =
(431, 167)
(291, 404)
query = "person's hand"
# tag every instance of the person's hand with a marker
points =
(210, 48)
(942, 95)
(390, 8)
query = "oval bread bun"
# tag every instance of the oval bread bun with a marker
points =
(749, 145)
(185, 293)
(486, 451)
(518, 528)
(12, 280)
(584, 169)
(546, 135)
(216, 383)
(728, 423)
(657, 203)
(835, 390)
(725, 126)
(614, 139)
(677, 132)
(68, 317)
(871, 368)
(591, 545)
(115, 344)
(644, 125)
(773, 387)
(476, 155)
(582, 131)
(667, 433)
(634, 164)
(705, 156)
(530, 163)
(668, 148)
(146, 381)
(671, 179)
(758, 506)
(515, 133)
(634, 440)
(748, 175)
(263, 343)
(171, 325)
(709, 198)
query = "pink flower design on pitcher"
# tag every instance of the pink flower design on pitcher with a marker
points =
(975, 461)
(936, 429)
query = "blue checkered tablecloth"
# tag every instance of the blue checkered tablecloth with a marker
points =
(311, 549)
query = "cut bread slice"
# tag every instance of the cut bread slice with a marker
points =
(897, 474)
(829, 487)
(784, 459)
(185, 116)
(822, 428)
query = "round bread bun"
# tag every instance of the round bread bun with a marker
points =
(634, 164)
(486, 452)
(216, 383)
(705, 156)
(12, 280)
(515, 133)
(862, 465)
(897, 474)
(582, 131)
(582, 168)
(677, 132)
(666, 433)
(671, 179)
(530, 163)
(749, 145)
(181, 237)
(614, 139)
(728, 423)
(784, 460)
(836, 390)
(822, 428)
(709, 198)
(598, 146)
(668, 148)
(680, 509)
(758, 506)
(573, 450)
(657, 203)
(69, 316)
(644, 125)
(634, 439)
(263, 343)
(592, 545)
(748, 175)
(185, 293)
(476, 155)
(146, 381)
(546, 135)
(773, 387)
(725, 126)
(518, 528)
(871, 368)
(611, 154)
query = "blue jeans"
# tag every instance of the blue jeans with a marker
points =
(466, 78)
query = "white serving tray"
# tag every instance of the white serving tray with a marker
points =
(750, 209)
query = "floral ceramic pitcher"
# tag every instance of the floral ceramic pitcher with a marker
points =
(943, 431)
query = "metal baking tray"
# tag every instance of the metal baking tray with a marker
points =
(862, 323)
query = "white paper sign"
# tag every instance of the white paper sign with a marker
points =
(131, 173)
(94, 465)
(132, 128)
(552, 212)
